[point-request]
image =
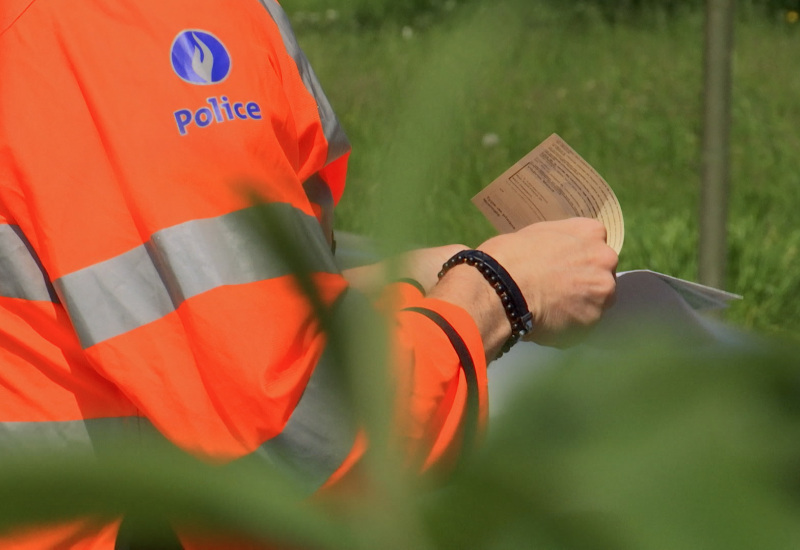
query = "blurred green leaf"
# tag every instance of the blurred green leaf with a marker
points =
(156, 483)
(653, 448)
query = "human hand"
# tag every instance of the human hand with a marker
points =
(566, 272)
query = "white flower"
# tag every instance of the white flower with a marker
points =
(331, 14)
(490, 140)
(407, 32)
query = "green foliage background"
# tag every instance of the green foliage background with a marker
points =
(418, 98)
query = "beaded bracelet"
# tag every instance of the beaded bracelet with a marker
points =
(514, 304)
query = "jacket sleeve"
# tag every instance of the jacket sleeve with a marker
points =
(448, 403)
(439, 375)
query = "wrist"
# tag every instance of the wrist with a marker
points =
(465, 287)
(508, 292)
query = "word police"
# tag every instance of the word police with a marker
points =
(219, 110)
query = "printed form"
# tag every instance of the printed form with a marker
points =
(553, 182)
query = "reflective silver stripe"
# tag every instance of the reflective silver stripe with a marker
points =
(320, 194)
(144, 284)
(317, 438)
(314, 443)
(88, 435)
(321, 430)
(21, 273)
(319, 434)
(338, 143)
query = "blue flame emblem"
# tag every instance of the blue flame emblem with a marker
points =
(199, 57)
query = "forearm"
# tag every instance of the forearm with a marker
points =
(367, 279)
(465, 287)
(419, 265)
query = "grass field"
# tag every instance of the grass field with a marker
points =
(417, 102)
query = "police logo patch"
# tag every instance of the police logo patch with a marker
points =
(199, 57)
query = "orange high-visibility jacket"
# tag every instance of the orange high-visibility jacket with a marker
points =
(133, 137)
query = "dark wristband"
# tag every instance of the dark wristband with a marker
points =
(514, 304)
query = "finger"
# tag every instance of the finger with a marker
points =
(597, 230)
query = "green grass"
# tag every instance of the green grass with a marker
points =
(627, 97)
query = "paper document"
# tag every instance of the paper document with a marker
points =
(553, 182)
(699, 297)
